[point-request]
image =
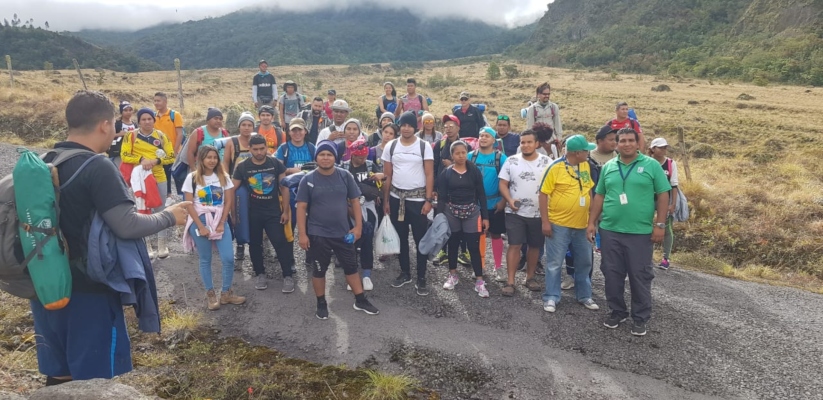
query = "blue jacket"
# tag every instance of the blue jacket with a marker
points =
(125, 267)
(436, 237)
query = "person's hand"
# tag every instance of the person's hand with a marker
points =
(303, 241)
(285, 217)
(204, 231)
(147, 163)
(180, 212)
(256, 105)
(500, 206)
(447, 163)
(485, 225)
(378, 176)
(591, 230)
(426, 208)
(671, 209)
(357, 232)
(658, 234)
(512, 206)
(378, 201)
(219, 229)
(335, 135)
(547, 229)
(386, 209)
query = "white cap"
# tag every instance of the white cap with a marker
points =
(659, 142)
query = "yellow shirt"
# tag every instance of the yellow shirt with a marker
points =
(569, 196)
(135, 147)
(163, 123)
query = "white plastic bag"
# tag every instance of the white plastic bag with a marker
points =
(387, 241)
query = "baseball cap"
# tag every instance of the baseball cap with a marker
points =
(262, 62)
(489, 130)
(297, 122)
(579, 143)
(452, 118)
(332, 92)
(340, 105)
(124, 105)
(605, 130)
(464, 95)
(659, 142)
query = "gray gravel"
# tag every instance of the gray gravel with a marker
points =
(709, 337)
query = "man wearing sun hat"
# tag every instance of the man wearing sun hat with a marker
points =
(565, 197)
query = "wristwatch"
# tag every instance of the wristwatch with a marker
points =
(660, 225)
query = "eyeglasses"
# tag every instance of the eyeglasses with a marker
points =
(546, 93)
(503, 118)
(464, 99)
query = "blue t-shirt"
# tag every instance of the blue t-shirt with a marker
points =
(485, 162)
(510, 143)
(293, 156)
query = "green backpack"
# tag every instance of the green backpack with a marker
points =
(34, 261)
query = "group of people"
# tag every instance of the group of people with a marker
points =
(313, 173)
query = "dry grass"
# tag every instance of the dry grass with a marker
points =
(757, 201)
(388, 387)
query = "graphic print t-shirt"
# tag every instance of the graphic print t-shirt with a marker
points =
(262, 182)
(524, 179)
(210, 194)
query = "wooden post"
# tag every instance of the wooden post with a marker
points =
(682, 138)
(77, 67)
(11, 73)
(179, 82)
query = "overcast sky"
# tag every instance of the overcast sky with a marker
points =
(73, 15)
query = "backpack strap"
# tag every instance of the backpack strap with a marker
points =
(193, 185)
(497, 157)
(76, 173)
(422, 149)
(391, 149)
(171, 115)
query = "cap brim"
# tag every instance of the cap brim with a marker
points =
(341, 109)
(591, 147)
(291, 127)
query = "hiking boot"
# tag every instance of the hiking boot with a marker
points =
(366, 307)
(421, 287)
(539, 270)
(368, 286)
(508, 290)
(664, 265)
(288, 284)
(441, 257)
(162, 249)
(451, 282)
(230, 298)
(639, 329)
(550, 306)
(501, 275)
(480, 288)
(568, 283)
(590, 304)
(534, 285)
(239, 252)
(464, 259)
(261, 282)
(152, 253)
(211, 300)
(322, 310)
(613, 321)
(522, 265)
(401, 280)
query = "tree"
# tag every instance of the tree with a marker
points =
(47, 24)
(493, 72)
(5, 22)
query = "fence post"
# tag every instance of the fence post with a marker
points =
(11, 73)
(77, 67)
(179, 82)
(682, 138)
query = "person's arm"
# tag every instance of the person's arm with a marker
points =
(228, 204)
(558, 126)
(282, 109)
(675, 182)
(302, 236)
(428, 168)
(543, 201)
(228, 155)
(480, 191)
(594, 215)
(481, 122)
(127, 151)
(275, 96)
(192, 150)
(380, 104)
(127, 223)
(399, 109)
(530, 116)
(285, 200)
(423, 103)
(168, 148)
(254, 95)
(442, 192)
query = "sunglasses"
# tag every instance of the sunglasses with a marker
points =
(503, 118)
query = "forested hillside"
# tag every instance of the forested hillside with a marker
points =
(32, 48)
(357, 35)
(754, 40)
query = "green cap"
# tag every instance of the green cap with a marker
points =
(579, 143)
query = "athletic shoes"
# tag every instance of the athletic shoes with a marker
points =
(539, 270)
(590, 304)
(288, 284)
(451, 282)
(613, 321)
(480, 288)
(239, 253)
(261, 282)
(441, 257)
(664, 265)
(421, 288)
(464, 258)
(401, 280)
(550, 306)
(367, 284)
(501, 275)
(322, 310)
(366, 307)
(639, 329)
(567, 283)
(522, 265)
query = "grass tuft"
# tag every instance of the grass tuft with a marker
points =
(388, 387)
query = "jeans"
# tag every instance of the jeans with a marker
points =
(419, 224)
(259, 223)
(204, 250)
(556, 246)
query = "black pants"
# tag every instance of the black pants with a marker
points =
(167, 168)
(320, 251)
(366, 246)
(472, 240)
(418, 223)
(624, 254)
(258, 223)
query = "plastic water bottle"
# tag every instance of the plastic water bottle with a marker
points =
(349, 238)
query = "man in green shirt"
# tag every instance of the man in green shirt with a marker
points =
(631, 188)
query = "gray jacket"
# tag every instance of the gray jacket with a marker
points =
(436, 237)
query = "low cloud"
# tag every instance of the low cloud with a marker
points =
(73, 15)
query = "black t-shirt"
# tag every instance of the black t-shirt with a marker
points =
(117, 143)
(99, 187)
(465, 188)
(470, 122)
(442, 151)
(263, 182)
(264, 84)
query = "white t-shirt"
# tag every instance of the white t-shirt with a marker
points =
(326, 132)
(212, 193)
(408, 172)
(525, 179)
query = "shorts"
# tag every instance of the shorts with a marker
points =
(522, 230)
(497, 222)
(85, 340)
(320, 251)
(473, 224)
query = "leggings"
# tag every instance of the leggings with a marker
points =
(472, 241)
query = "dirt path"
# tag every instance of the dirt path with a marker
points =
(709, 337)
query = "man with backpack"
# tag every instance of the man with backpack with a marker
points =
(334, 132)
(545, 111)
(411, 101)
(510, 141)
(264, 87)
(316, 120)
(490, 160)
(297, 151)
(122, 127)
(170, 123)
(471, 118)
(88, 338)
(291, 103)
(408, 165)
(623, 120)
(267, 129)
(442, 155)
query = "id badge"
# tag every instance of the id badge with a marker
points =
(623, 199)
(582, 201)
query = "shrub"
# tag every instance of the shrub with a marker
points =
(493, 71)
(511, 71)
(703, 150)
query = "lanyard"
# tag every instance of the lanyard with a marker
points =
(620, 168)
(579, 183)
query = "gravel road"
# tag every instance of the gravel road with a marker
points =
(709, 337)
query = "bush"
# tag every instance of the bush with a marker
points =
(318, 84)
(703, 150)
(493, 72)
(440, 81)
(511, 71)
(661, 88)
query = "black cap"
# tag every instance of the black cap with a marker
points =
(332, 92)
(262, 62)
(605, 130)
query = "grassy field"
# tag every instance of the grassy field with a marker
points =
(754, 152)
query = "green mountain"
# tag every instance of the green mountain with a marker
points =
(753, 40)
(352, 36)
(31, 48)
